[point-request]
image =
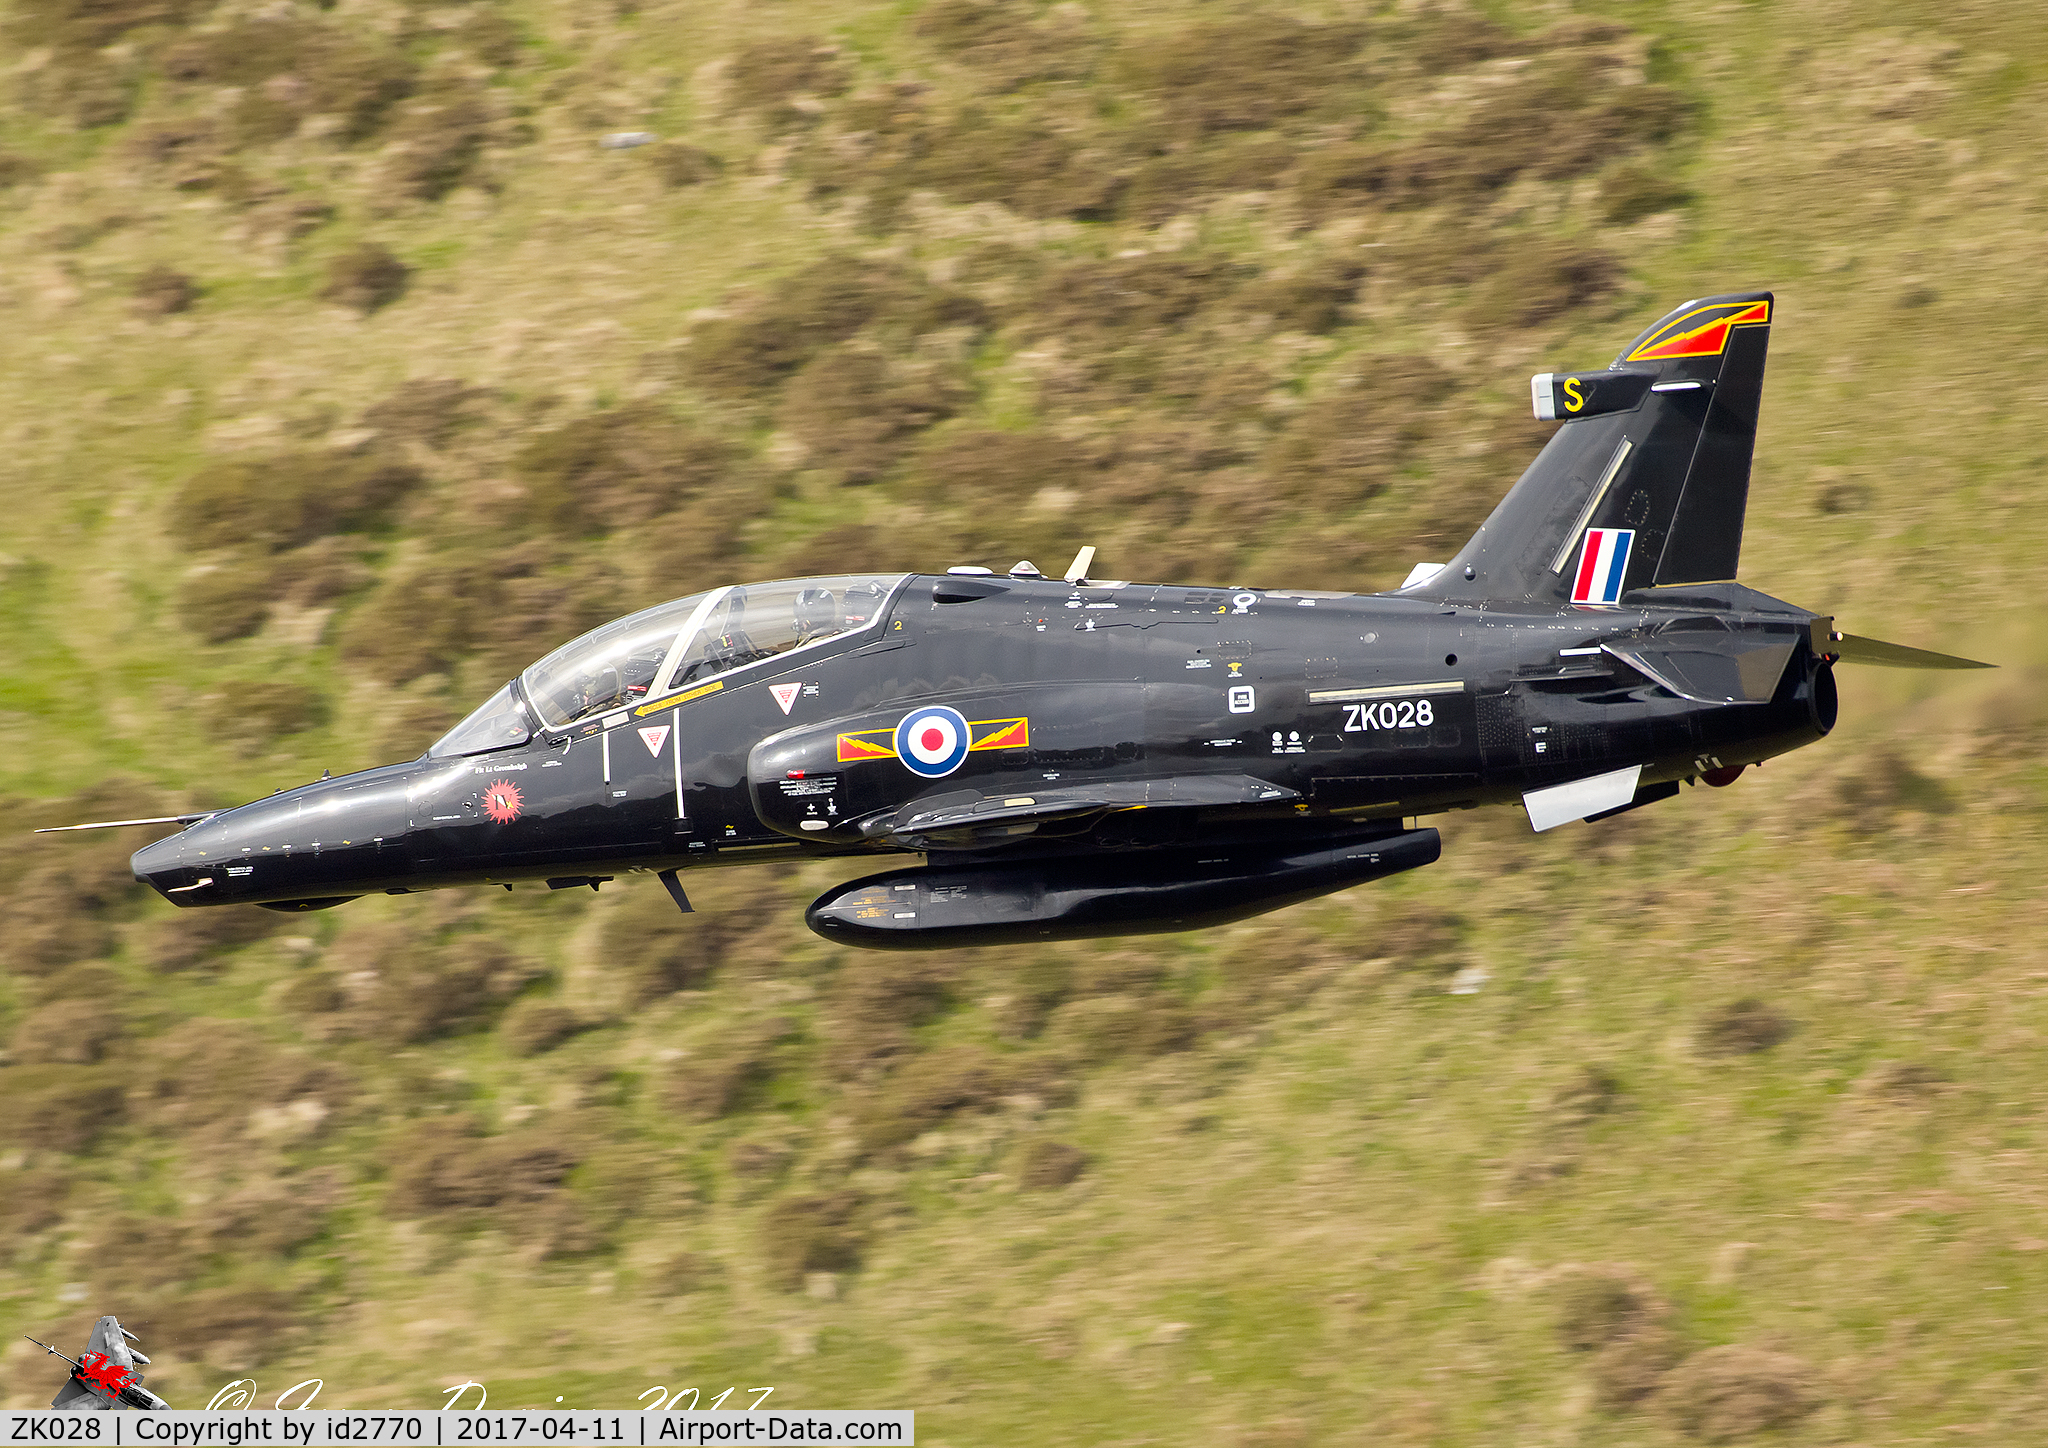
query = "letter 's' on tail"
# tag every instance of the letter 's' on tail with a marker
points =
(1646, 482)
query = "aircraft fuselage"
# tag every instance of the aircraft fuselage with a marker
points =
(1275, 715)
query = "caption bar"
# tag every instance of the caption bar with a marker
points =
(322, 1426)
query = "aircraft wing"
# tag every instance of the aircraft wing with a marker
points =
(971, 819)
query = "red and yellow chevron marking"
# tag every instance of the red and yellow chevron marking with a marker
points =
(984, 733)
(868, 744)
(1002, 734)
(1701, 332)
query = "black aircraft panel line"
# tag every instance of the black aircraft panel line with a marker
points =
(1076, 758)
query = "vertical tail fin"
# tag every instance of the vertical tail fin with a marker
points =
(1646, 482)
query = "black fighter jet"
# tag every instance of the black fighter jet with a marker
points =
(1078, 757)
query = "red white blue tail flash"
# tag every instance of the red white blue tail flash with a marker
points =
(1602, 565)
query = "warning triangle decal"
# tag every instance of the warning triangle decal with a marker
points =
(654, 738)
(785, 694)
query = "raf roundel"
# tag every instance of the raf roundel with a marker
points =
(932, 741)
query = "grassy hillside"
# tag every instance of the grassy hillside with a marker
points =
(346, 371)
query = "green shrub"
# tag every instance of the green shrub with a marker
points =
(229, 600)
(45, 923)
(312, 993)
(826, 302)
(413, 726)
(855, 414)
(1537, 281)
(716, 1079)
(679, 165)
(613, 470)
(448, 1166)
(491, 36)
(289, 499)
(256, 713)
(1311, 299)
(1001, 44)
(680, 1273)
(1045, 1165)
(1734, 1392)
(805, 1234)
(1445, 40)
(17, 169)
(877, 1001)
(1634, 190)
(230, 1328)
(320, 572)
(366, 277)
(67, 1032)
(532, 1028)
(270, 1218)
(404, 988)
(1248, 73)
(1018, 162)
(205, 1076)
(1175, 181)
(1120, 1024)
(1742, 1028)
(289, 65)
(419, 621)
(1597, 1306)
(435, 142)
(1113, 302)
(767, 77)
(926, 1091)
(82, 25)
(161, 291)
(1349, 443)
(61, 1107)
(31, 1201)
(428, 411)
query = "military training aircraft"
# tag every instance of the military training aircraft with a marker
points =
(1076, 757)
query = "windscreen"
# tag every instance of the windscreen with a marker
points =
(498, 723)
(609, 667)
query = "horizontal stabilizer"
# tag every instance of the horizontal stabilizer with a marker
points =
(1562, 803)
(1712, 669)
(1851, 649)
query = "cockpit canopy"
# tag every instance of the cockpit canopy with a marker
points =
(670, 648)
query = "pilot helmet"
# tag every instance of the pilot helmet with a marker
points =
(817, 613)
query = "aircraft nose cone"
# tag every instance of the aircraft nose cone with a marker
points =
(324, 840)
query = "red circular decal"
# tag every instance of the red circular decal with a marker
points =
(502, 800)
(933, 741)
